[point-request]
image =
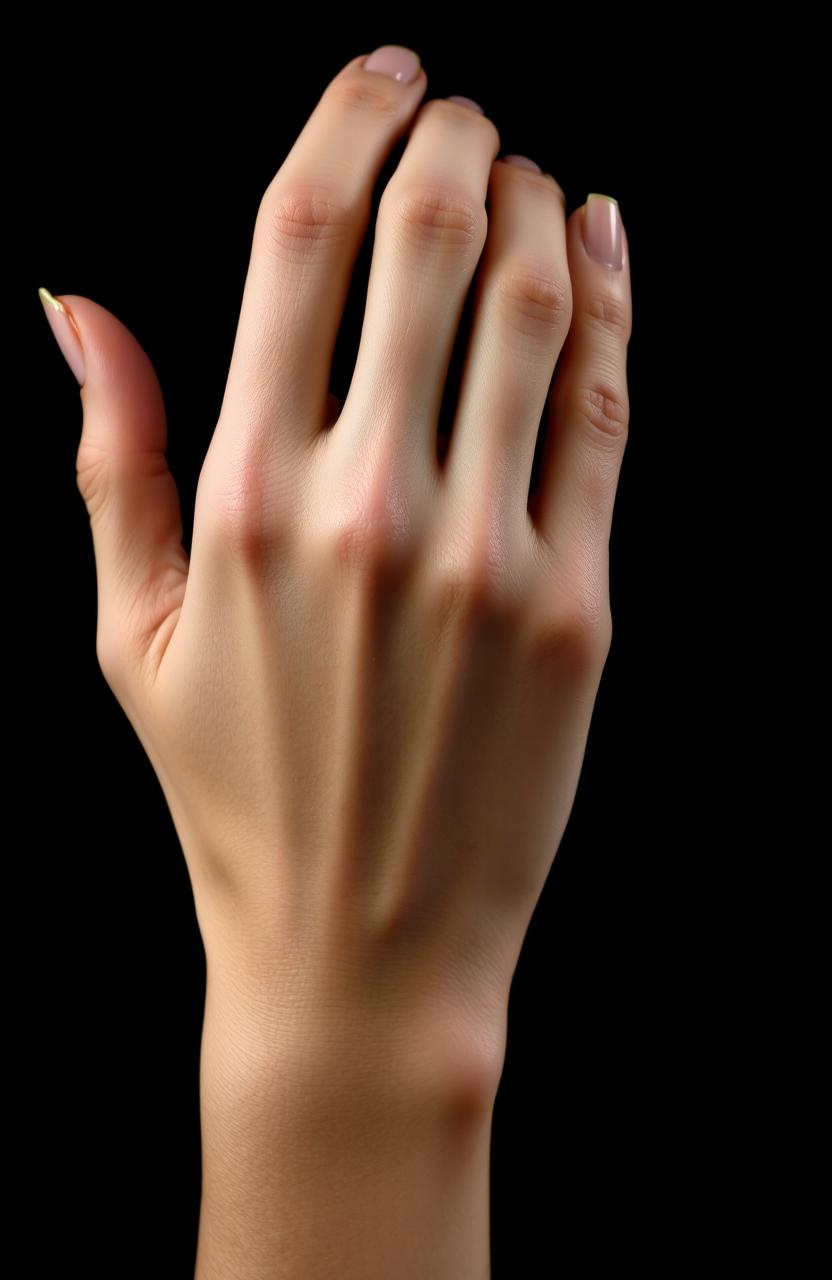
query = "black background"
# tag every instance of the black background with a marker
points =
(660, 1104)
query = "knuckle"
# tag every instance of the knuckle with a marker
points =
(576, 634)
(91, 474)
(302, 219)
(366, 94)
(607, 315)
(604, 409)
(436, 216)
(369, 544)
(470, 588)
(536, 300)
(245, 514)
(371, 533)
(241, 529)
(358, 543)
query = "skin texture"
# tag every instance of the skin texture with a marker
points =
(367, 694)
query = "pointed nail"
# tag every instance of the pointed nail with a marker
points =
(67, 335)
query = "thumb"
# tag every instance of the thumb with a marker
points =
(123, 476)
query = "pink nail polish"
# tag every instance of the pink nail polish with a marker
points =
(67, 335)
(602, 228)
(396, 61)
(522, 162)
(467, 102)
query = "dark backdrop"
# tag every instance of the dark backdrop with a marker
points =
(638, 1110)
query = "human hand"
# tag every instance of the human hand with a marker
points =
(366, 694)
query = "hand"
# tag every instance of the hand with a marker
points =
(367, 694)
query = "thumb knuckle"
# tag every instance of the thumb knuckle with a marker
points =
(92, 478)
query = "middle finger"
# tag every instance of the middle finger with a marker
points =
(430, 232)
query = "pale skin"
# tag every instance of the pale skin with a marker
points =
(366, 693)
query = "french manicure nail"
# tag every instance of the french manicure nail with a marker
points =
(396, 61)
(602, 228)
(67, 335)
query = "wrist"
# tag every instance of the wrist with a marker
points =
(348, 1144)
(326, 1013)
(270, 1041)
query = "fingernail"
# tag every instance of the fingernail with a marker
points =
(603, 230)
(63, 325)
(396, 61)
(522, 162)
(467, 102)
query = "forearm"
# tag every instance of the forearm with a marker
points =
(359, 1160)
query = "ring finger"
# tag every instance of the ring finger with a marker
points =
(522, 312)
